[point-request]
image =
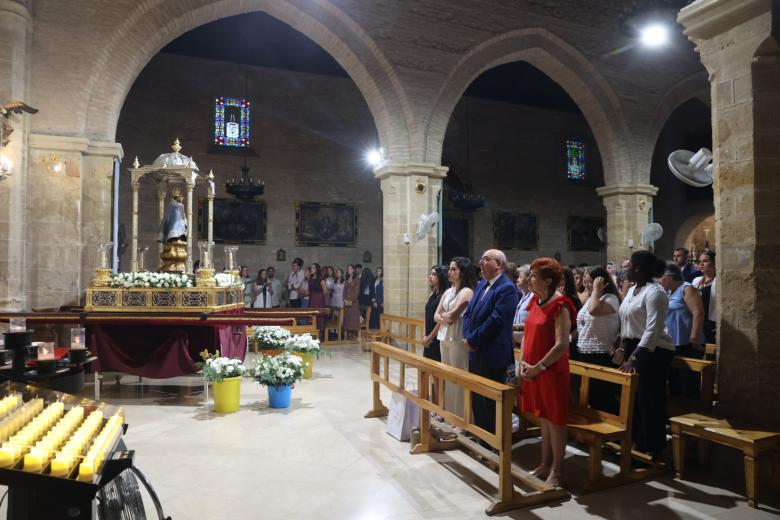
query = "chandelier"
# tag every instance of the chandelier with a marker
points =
(245, 188)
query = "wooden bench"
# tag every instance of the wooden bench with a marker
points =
(751, 441)
(598, 428)
(431, 372)
(400, 329)
(681, 404)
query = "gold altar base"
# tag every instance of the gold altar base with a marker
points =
(174, 257)
(102, 277)
(205, 278)
(185, 299)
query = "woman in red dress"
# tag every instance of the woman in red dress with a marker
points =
(544, 370)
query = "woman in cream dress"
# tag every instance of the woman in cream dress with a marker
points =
(449, 315)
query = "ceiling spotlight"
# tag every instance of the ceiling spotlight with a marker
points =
(374, 157)
(655, 35)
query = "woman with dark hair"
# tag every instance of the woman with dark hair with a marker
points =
(648, 349)
(437, 281)
(568, 288)
(707, 286)
(579, 284)
(247, 281)
(684, 323)
(351, 306)
(544, 370)
(598, 327)
(379, 299)
(261, 290)
(449, 316)
(317, 288)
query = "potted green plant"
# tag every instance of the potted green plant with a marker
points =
(306, 347)
(270, 338)
(225, 376)
(279, 373)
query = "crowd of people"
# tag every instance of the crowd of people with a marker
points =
(354, 289)
(636, 318)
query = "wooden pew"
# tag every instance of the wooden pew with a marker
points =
(408, 331)
(681, 404)
(598, 428)
(428, 372)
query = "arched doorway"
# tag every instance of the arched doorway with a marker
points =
(688, 127)
(506, 145)
(309, 129)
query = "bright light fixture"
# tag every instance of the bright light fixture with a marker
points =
(655, 35)
(6, 166)
(374, 157)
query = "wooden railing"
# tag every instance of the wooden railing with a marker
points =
(681, 404)
(431, 373)
(400, 329)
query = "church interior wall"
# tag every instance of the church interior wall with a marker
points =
(310, 133)
(517, 159)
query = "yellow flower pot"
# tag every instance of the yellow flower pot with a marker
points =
(308, 359)
(227, 395)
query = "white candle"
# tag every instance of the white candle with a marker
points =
(18, 324)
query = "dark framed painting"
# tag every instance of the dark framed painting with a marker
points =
(515, 231)
(583, 233)
(325, 224)
(235, 222)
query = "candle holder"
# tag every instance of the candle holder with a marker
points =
(103, 270)
(205, 275)
(17, 325)
(46, 351)
(142, 258)
(230, 258)
(78, 338)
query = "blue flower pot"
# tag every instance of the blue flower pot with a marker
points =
(279, 396)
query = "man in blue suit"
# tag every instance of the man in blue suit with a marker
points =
(487, 331)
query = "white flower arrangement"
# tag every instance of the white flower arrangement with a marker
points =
(148, 279)
(303, 343)
(216, 368)
(284, 369)
(227, 280)
(270, 337)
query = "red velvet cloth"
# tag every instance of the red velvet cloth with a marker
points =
(161, 351)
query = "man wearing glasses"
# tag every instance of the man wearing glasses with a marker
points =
(487, 331)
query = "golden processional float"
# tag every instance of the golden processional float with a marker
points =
(171, 288)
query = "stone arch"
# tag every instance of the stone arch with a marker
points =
(141, 36)
(693, 87)
(561, 62)
(696, 230)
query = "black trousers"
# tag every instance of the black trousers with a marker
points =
(603, 395)
(685, 382)
(650, 410)
(484, 409)
(296, 303)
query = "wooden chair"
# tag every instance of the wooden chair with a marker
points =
(335, 323)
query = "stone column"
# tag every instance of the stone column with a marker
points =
(739, 45)
(408, 191)
(628, 206)
(15, 37)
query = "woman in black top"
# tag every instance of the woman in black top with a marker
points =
(437, 280)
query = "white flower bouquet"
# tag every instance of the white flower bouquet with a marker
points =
(270, 337)
(303, 343)
(282, 370)
(216, 368)
(227, 280)
(148, 279)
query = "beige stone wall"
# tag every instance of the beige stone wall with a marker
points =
(739, 46)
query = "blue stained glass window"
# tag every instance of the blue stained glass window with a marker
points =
(575, 160)
(231, 122)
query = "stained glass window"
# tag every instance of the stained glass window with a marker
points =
(575, 160)
(231, 122)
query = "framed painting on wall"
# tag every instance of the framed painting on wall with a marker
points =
(583, 233)
(235, 222)
(515, 231)
(325, 224)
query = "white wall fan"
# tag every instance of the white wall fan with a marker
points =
(424, 226)
(692, 168)
(652, 232)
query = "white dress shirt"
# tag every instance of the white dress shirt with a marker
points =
(643, 317)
